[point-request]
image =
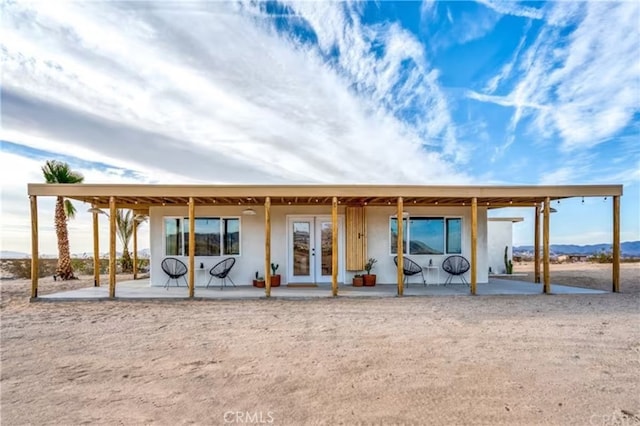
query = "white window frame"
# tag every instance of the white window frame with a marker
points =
(405, 247)
(182, 218)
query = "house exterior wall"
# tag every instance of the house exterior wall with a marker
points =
(500, 234)
(251, 258)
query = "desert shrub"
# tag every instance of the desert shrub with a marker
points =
(603, 257)
(126, 263)
(84, 265)
(21, 268)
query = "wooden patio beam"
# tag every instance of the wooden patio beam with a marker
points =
(545, 244)
(267, 246)
(536, 244)
(135, 247)
(616, 245)
(112, 247)
(334, 246)
(474, 246)
(400, 246)
(35, 272)
(96, 251)
(192, 246)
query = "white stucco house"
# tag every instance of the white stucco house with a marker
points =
(301, 240)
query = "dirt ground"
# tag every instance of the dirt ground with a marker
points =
(502, 360)
(588, 275)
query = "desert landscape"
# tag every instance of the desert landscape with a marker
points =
(571, 359)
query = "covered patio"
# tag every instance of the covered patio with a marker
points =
(140, 198)
(140, 290)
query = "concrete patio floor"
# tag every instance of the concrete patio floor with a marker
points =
(140, 290)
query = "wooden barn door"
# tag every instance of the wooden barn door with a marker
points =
(356, 244)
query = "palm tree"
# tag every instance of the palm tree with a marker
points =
(124, 229)
(59, 172)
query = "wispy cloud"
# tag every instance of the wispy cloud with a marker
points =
(515, 8)
(230, 98)
(582, 88)
(465, 22)
(507, 68)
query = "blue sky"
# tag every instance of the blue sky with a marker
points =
(487, 92)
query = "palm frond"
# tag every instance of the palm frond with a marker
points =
(69, 209)
(124, 226)
(59, 172)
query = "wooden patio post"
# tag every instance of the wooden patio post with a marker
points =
(334, 246)
(96, 251)
(545, 244)
(400, 246)
(35, 270)
(267, 246)
(474, 246)
(135, 247)
(616, 244)
(192, 246)
(536, 245)
(112, 247)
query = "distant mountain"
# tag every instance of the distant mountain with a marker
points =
(628, 248)
(6, 254)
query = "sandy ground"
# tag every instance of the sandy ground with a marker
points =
(587, 275)
(506, 360)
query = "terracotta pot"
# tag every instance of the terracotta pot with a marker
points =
(275, 280)
(258, 283)
(369, 280)
(358, 281)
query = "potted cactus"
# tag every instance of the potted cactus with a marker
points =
(259, 281)
(275, 278)
(369, 278)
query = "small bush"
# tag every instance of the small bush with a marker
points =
(603, 257)
(21, 268)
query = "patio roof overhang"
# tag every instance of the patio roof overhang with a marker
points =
(141, 197)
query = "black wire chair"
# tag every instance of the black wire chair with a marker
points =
(221, 271)
(410, 268)
(175, 269)
(456, 266)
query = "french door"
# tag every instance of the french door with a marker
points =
(310, 249)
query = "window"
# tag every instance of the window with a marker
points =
(214, 236)
(231, 234)
(173, 237)
(454, 235)
(428, 235)
(394, 235)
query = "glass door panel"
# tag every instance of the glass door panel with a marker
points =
(311, 249)
(302, 250)
(326, 247)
